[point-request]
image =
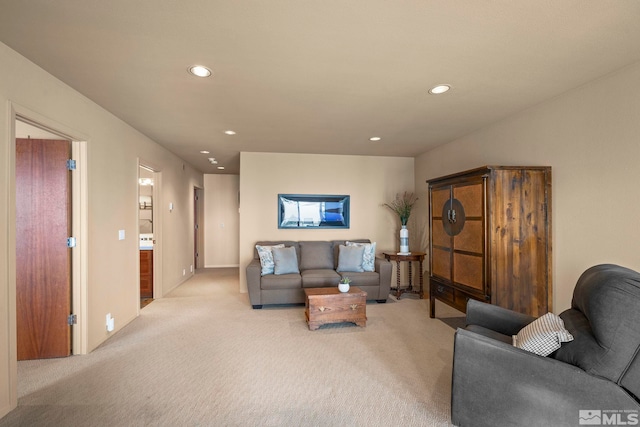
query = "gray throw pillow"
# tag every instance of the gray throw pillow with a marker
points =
(350, 259)
(285, 260)
(369, 255)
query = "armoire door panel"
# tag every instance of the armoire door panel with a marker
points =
(470, 238)
(439, 235)
(438, 198)
(467, 270)
(471, 197)
(441, 263)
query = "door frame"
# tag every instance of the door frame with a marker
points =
(156, 216)
(79, 228)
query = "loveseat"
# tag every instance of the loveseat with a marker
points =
(319, 265)
(593, 379)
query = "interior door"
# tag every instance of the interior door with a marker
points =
(198, 231)
(43, 260)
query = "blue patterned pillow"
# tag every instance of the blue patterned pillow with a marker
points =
(266, 258)
(369, 256)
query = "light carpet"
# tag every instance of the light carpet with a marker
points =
(202, 357)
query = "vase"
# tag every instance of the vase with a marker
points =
(404, 240)
(343, 287)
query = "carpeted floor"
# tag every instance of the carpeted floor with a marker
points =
(203, 357)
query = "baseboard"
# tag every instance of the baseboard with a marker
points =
(222, 266)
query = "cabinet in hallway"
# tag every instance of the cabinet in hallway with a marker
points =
(146, 273)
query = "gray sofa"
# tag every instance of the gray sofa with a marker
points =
(595, 377)
(317, 261)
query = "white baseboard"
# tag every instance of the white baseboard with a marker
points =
(222, 266)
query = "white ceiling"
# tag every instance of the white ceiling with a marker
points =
(320, 76)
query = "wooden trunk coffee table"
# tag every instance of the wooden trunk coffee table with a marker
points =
(329, 305)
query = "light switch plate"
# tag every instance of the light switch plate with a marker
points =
(120, 234)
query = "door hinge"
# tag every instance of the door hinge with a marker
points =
(196, 226)
(72, 319)
(71, 164)
(71, 242)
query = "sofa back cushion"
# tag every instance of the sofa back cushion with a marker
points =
(604, 320)
(316, 255)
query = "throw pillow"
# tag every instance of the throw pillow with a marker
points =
(285, 260)
(350, 258)
(369, 255)
(266, 258)
(543, 336)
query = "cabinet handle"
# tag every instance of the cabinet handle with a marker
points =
(451, 215)
(440, 289)
(321, 308)
(353, 306)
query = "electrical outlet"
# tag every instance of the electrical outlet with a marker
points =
(184, 271)
(191, 268)
(111, 323)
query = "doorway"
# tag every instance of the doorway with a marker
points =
(146, 233)
(198, 229)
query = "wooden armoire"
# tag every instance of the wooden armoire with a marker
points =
(490, 238)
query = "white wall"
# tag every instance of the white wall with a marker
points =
(113, 150)
(370, 181)
(590, 136)
(221, 221)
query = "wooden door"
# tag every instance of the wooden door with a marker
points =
(43, 260)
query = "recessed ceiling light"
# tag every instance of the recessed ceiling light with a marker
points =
(375, 138)
(204, 152)
(437, 90)
(200, 71)
(229, 132)
(220, 167)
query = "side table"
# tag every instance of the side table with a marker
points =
(398, 258)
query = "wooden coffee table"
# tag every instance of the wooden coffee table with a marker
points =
(329, 305)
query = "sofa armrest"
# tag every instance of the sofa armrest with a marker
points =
(383, 267)
(502, 320)
(496, 384)
(253, 282)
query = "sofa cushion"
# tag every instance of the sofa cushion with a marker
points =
(283, 281)
(316, 255)
(266, 258)
(368, 256)
(319, 278)
(543, 336)
(285, 261)
(350, 259)
(367, 278)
